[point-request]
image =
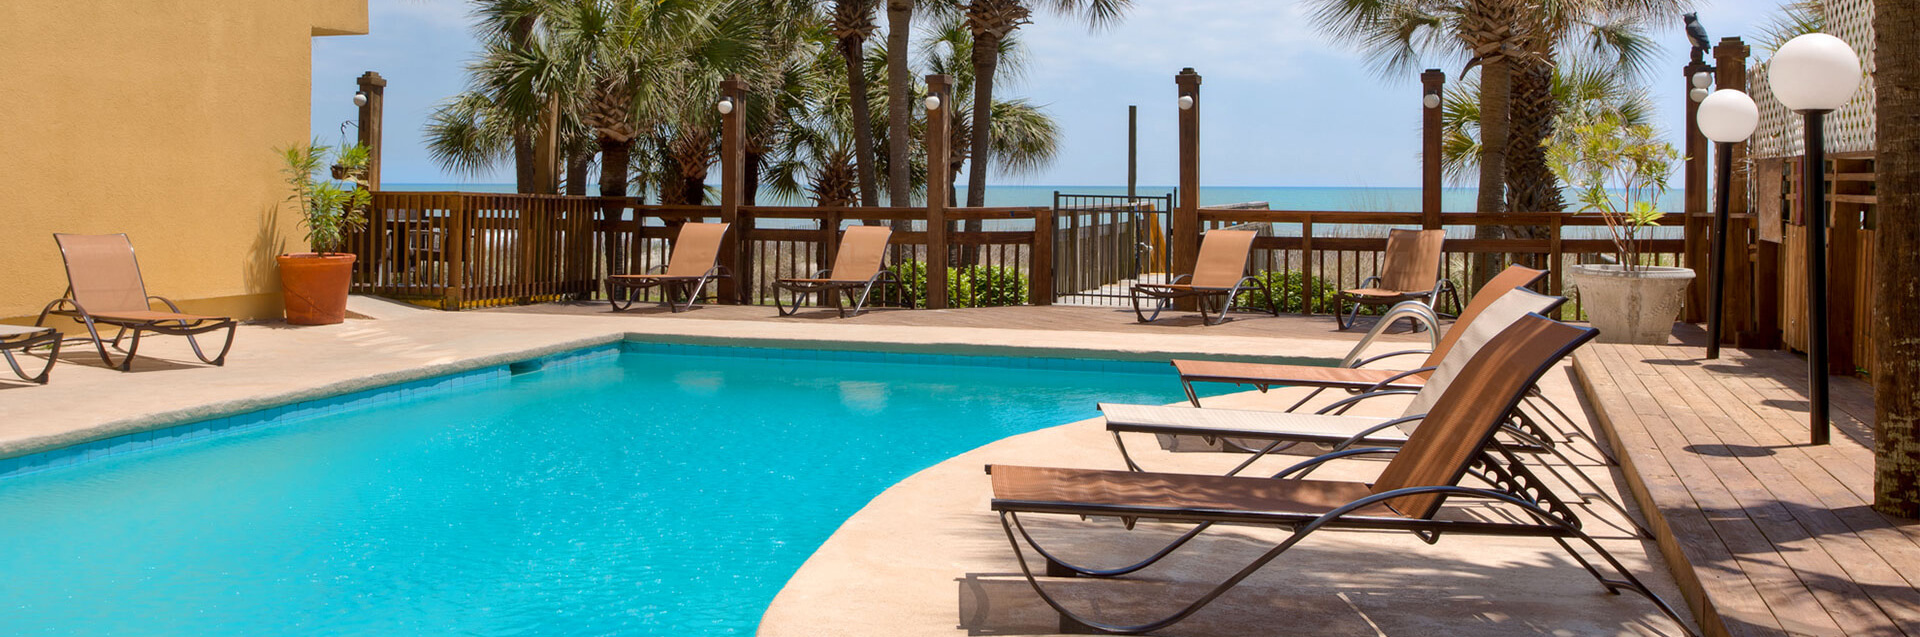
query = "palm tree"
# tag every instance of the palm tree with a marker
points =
(1577, 88)
(851, 24)
(1896, 315)
(990, 22)
(512, 92)
(899, 114)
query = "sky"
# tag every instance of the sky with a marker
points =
(1282, 105)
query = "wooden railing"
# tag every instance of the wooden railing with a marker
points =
(1341, 248)
(471, 250)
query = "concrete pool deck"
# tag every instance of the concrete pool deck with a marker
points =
(926, 556)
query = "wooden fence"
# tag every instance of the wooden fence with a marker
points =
(471, 250)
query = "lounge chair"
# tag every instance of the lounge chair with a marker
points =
(1411, 273)
(695, 261)
(1219, 276)
(856, 272)
(16, 338)
(1354, 373)
(104, 288)
(1423, 475)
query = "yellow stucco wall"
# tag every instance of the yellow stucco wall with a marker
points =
(157, 118)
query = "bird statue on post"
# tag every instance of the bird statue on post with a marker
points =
(1696, 33)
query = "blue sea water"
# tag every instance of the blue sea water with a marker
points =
(1360, 199)
(643, 494)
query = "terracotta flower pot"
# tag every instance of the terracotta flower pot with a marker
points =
(315, 287)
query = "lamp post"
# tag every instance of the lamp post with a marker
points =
(1815, 74)
(1727, 117)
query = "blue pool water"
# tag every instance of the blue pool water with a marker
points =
(644, 493)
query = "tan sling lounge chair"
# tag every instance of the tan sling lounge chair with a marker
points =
(695, 262)
(104, 288)
(15, 338)
(1354, 373)
(1411, 273)
(1219, 276)
(856, 272)
(1422, 476)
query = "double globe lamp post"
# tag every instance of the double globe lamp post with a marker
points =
(1813, 74)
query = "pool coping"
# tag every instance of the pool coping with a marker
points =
(154, 429)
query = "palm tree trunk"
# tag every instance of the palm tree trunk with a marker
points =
(986, 48)
(1896, 315)
(751, 190)
(577, 167)
(899, 92)
(852, 50)
(613, 166)
(1496, 99)
(523, 181)
(1531, 186)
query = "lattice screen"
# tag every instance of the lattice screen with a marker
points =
(1848, 130)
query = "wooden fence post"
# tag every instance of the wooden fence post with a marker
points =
(1432, 88)
(1730, 62)
(1040, 269)
(372, 118)
(938, 155)
(455, 254)
(1186, 217)
(733, 170)
(1696, 168)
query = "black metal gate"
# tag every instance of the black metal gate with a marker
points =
(1103, 243)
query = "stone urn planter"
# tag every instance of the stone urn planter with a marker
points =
(315, 287)
(1637, 307)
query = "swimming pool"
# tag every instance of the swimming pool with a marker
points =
(658, 489)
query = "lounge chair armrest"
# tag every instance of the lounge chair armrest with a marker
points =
(1375, 359)
(1382, 385)
(1347, 403)
(1179, 277)
(1370, 281)
(1306, 466)
(170, 304)
(1376, 429)
(657, 269)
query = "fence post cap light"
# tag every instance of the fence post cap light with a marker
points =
(725, 106)
(1430, 101)
(1728, 116)
(1702, 79)
(1186, 102)
(932, 102)
(1697, 95)
(1814, 72)
(359, 98)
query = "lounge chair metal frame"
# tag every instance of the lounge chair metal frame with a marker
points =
(1163, 298)
(68, 307)
(1214, 290)
(1508, 481)
(189, 325)
(677, 293)
(835, 289)
(1429, 297)
(24, 343)
(622, 288)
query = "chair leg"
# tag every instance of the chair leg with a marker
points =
(217, 361)
(53, 355)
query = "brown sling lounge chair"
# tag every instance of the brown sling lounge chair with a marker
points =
(856, 272)
(104, 288)
(1411, 273)
(1219, 276)
(1408, 496)
(695, 261)
(15, 338)
(1353, 373)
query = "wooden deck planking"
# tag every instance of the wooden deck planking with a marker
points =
(1773, 534)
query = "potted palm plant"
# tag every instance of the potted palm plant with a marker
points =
(1620, 171)
(315, 283)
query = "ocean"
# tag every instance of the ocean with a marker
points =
(1359, 199)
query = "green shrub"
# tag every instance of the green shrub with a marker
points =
(1292, 287)
(971, 286)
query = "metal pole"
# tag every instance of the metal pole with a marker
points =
(1133, 151)
(1813, 176)
(1718, 260)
